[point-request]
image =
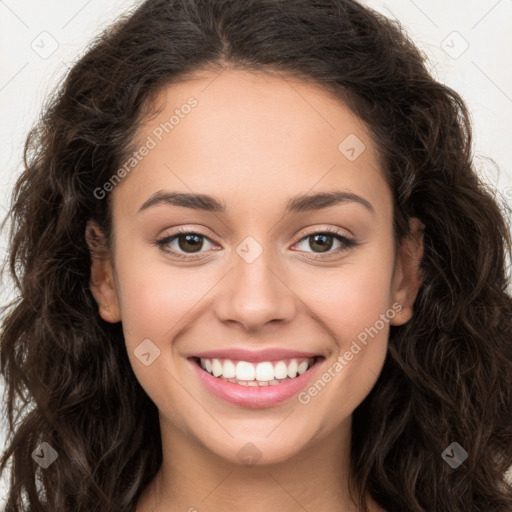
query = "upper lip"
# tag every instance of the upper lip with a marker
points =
(241, 354)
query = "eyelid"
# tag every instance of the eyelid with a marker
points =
(331, 230)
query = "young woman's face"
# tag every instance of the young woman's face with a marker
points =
(253, 284)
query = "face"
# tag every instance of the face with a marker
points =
(260, 279)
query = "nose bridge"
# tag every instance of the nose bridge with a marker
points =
(256, 292)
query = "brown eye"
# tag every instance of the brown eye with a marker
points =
(182, 243)
(322, 242)
(191, 241)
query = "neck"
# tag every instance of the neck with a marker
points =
(193, 478)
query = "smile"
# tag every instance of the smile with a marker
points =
(255, 384)
(265, 373)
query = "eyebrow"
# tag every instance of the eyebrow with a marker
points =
(299, 203)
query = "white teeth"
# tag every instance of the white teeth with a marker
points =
(292, 368)
(216, 368)
(280, 370)
(265, 373)
(228, 370)
(302, 367)
(244, 371)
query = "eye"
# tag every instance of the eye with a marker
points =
(186, 243)
(190, 242)
(323, 241)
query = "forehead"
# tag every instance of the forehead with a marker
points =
(243, 135)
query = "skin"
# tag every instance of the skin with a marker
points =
(253, 141)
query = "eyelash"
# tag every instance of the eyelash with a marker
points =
(348, 243)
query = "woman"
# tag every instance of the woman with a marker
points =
(257, 271)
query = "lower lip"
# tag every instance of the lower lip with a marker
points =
(255, 396)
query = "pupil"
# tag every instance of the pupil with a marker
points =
(323, 247)
(189, 240)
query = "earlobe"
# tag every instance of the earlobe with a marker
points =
(407, 278)
(102, 282)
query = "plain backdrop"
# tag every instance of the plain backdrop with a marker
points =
(467, 43)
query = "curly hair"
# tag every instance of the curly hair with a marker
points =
(448, 371)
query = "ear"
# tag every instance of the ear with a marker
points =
(407, 277)
(102, 282)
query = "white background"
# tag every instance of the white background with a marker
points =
(467, 42)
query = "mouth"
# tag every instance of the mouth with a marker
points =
(264, 373)
(256, 383)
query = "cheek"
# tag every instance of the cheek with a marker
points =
(353, 303)
(154, 298)
(153, 305)
(352, 297)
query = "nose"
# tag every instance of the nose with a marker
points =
(255, 294)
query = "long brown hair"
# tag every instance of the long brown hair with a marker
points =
(447, 375)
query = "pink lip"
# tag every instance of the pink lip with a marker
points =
(255, 396)
(240, 354)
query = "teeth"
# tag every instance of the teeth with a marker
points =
(280, 370)
(292, 369)
(244, 371)
(216, 368)
(265, 373)
(302, 367)
(228, 370)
